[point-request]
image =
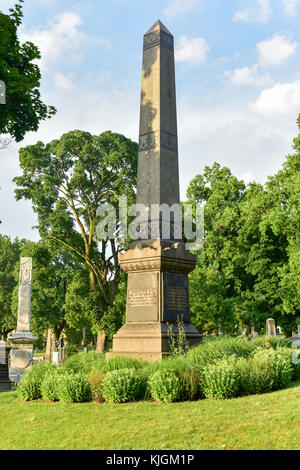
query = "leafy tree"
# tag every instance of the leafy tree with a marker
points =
(9, 257)
(24, 108)
(212, 283)
(67, 180)
(249, 268)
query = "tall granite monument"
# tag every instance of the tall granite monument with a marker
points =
(22, 339)
(157, 268)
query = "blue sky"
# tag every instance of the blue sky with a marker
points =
(237, 76)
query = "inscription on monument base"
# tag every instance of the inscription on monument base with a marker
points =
(177, 298)
(141, 297)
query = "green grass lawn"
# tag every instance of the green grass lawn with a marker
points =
(270, 421)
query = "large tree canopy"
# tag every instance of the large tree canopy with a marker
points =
(67, 180)
(249, 267)
(24, 108)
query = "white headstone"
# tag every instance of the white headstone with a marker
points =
(55, 357)
(271, 327)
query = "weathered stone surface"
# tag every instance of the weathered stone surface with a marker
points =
(22, 339)
(158, 147)
(271, 327)
(157, 269)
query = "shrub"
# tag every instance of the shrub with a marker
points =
(288, 354)
(95, 381)
(216, 349)
(29, 387)
(191, 384)
(122, 362)
(73, 388)
(84, 363)
(221, 379)
(123, 385)
(273, 342)
(283, 369)
(165, 386)
(268, 369)
(189, 374)
(49, 387)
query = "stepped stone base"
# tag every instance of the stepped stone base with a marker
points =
(149, 341)
(157, 296)
(21, 354)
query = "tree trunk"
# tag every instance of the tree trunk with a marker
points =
(101, 340)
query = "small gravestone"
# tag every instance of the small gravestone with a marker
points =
(84, 343)
(5, 383)
(22, 339)
(2, 92)
(271, 327)
(55, 357)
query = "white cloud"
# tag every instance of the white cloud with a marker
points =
(282, 100)
(191, 50)
(63, 82)
(252, 145)
(248, 76)
(276, 50)
(290, 7)
(60, 39)
(175, 7)
(260, 12)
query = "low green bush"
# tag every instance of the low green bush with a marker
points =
(273, 342)
(73, 388)
(189, 374)
(84, 362)
(293, 357)
(122, 362)
(123, 385)
(95, 380)
(49, 387)
(267, 370)
(221, 379)
(165, 386)
(29, 387)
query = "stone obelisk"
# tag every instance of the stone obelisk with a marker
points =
(157, 292)
(22, 339)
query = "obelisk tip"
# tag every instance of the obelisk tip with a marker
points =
(158, 26)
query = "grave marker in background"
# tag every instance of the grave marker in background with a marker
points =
(22, 339)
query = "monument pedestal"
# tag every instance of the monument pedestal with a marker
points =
(21, 354)
(157, 295)
(5, 383)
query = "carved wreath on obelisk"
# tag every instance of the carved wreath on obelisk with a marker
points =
(25, 270)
